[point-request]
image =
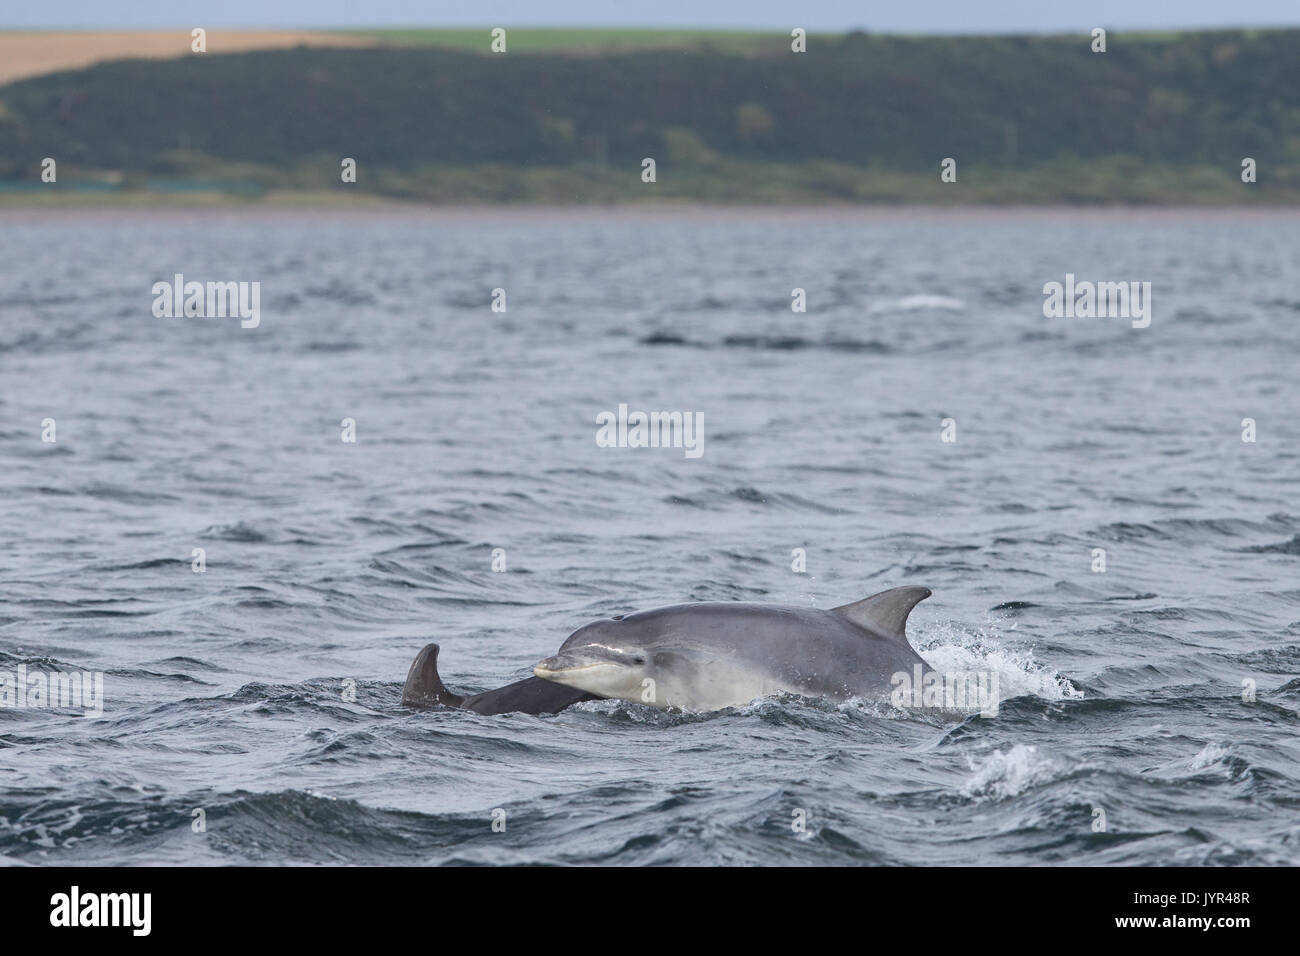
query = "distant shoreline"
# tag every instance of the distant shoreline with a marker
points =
(1194, 119)
(665, 212)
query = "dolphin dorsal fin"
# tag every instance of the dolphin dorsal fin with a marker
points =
(885, 613)
(424, 688)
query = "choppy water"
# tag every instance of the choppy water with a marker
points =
(329, 562)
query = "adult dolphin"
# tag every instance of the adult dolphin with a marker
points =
(700, 657)
(424, 689)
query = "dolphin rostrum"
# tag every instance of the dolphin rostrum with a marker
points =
(699, 657)
(424, 689)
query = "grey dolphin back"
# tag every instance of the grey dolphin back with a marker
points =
(425, 690)
(885, 614)
(532, 695)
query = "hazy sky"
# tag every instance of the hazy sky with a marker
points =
(913, 16)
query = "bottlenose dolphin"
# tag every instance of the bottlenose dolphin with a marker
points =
(424, 689)
(700, 657)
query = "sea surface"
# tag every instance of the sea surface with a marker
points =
(251, 710)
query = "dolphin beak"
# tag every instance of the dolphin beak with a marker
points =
(561, 665)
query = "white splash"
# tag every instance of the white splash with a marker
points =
(953, 648)
(1209, 755)
(1007, 774)
(917, 303)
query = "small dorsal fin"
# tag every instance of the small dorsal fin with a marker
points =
(424, 688)
(885, 613)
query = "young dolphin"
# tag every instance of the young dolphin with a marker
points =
(700, 657)
(424, 690)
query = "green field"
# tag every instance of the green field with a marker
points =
(583, 39)
(604, 39)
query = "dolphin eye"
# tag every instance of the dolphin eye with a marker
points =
(638, 660)
(618, 617)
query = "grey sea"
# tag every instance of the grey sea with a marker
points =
(1109, 518)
